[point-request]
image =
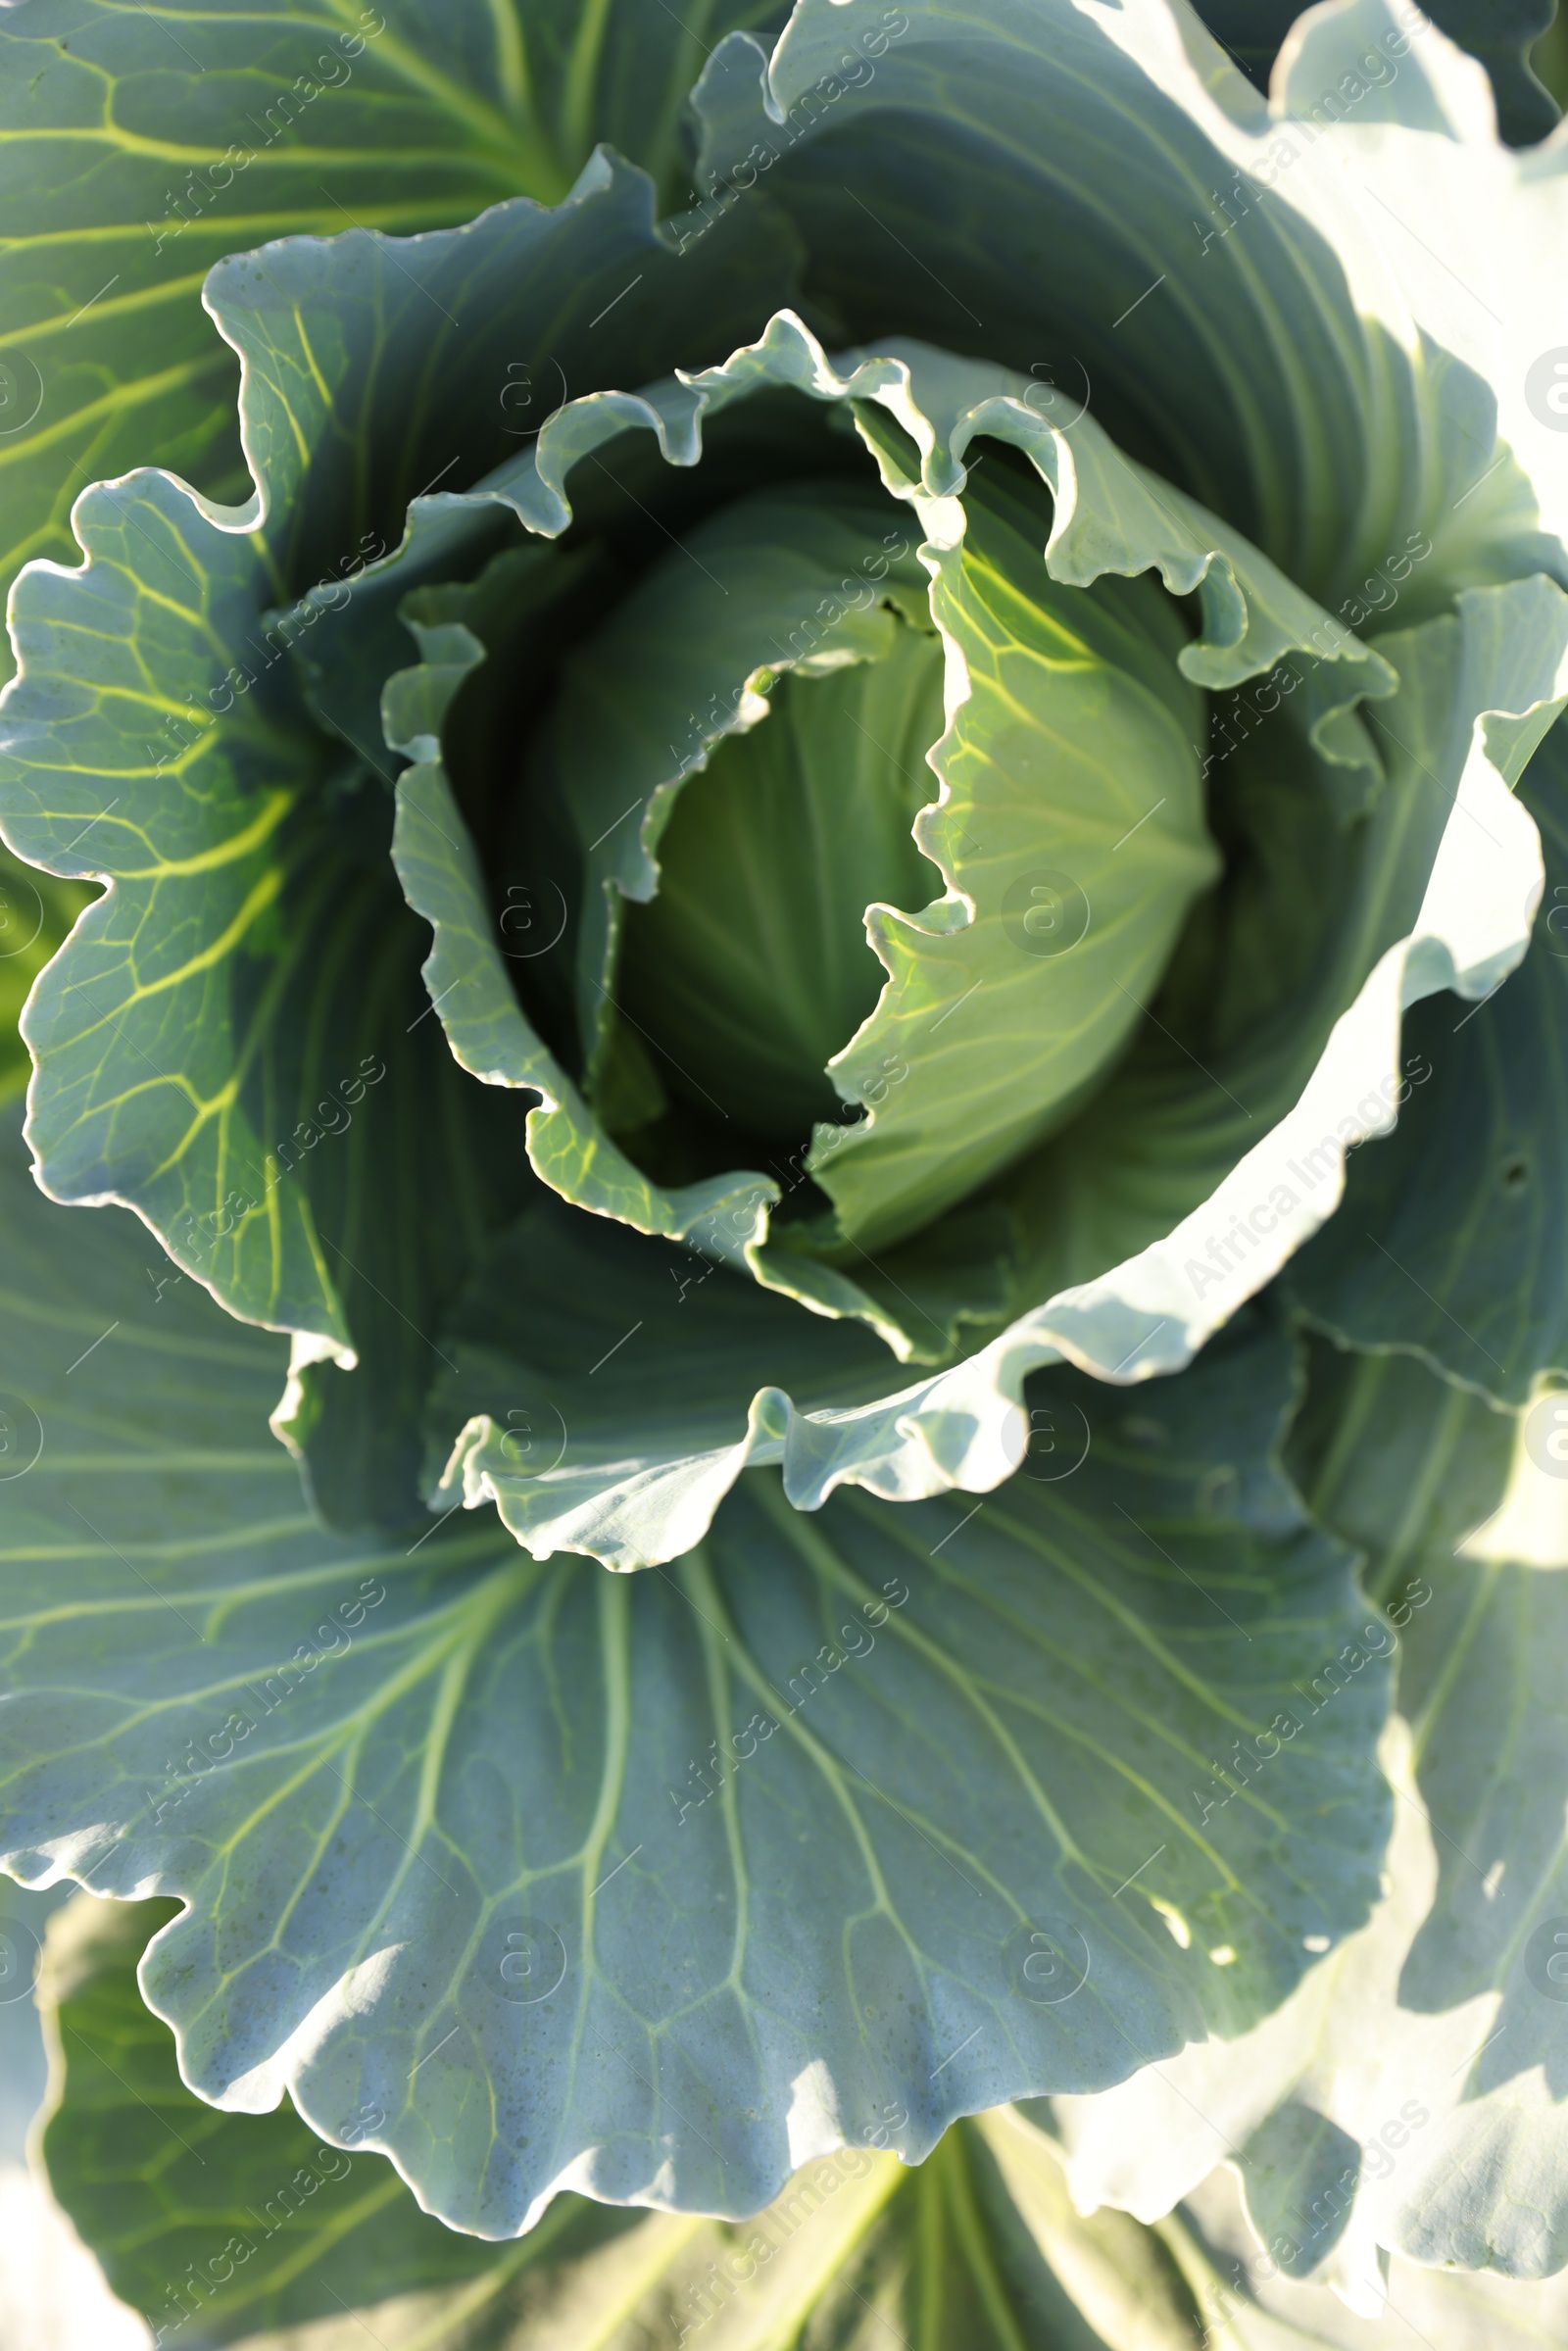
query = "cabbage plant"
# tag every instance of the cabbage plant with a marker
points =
(762, 746)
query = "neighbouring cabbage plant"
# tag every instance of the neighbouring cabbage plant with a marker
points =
(846, 709)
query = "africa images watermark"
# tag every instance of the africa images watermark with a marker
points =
(264, 1696)
(856, 71)
(202, 188)
(1376, 1641)
(1238, 715)
(1377, 69)
(187, 2297)
(1322, 1163)
(200, 1230)
(859, 1641)
(185, 731)
(773, 2229)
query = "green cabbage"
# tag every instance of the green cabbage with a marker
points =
(855, 697)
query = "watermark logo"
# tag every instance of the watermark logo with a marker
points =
(1546, 1434)
(1059, 1440)
(1546, 389)
(530, 916)
(1045, 913)
(523, 1960)
(1547, 1959)
(526, 413)
(20, 1954)
(20, 393)
(21, 1438)
(20, 923)
(1047, 398)
(1046, 1964)
(532, 1437)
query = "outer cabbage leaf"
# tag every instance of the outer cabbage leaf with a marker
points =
(258, 2221)
(251, 2217)
(36, 911)
(1230, 283)
(1450, 1241)
(376, 1772)
(1432, 2047)
(1255, 31)
(252, 2227)
(242, 996)
(139, 146)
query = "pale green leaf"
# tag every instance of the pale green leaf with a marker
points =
(1500, 35)
(1072, 822)
(753, 961)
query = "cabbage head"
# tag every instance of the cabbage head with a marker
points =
(797, 781)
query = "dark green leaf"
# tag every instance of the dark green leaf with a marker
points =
(36, 910)
(249, 991)
(1451, 1238)
(1136, 258)
(365, 1769)
(141, 145)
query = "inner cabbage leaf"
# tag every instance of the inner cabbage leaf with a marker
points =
(1073, 810)
(752, 965)
(1071, 803)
